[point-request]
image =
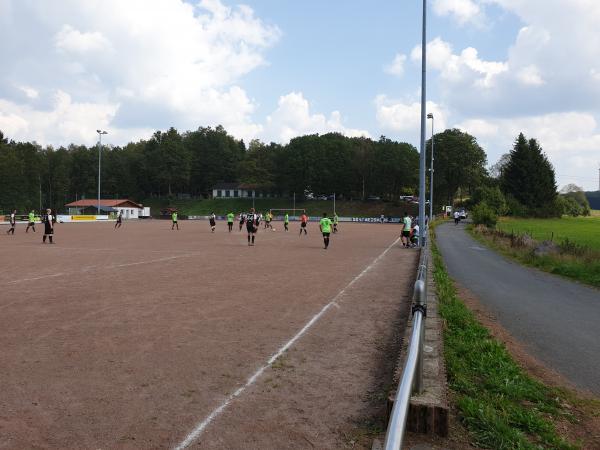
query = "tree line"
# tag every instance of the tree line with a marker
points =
(171, 163)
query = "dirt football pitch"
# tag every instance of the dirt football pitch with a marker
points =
(145, 338)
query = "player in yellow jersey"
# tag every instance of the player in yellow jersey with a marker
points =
(325, 227)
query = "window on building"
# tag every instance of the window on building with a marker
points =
(227, 193)
(219, 194)
(236, 193)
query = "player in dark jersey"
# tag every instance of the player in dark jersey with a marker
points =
(242, 220)
(212, 220)
(49, 222)
(252, 223)
(13, 222)
(119, 221)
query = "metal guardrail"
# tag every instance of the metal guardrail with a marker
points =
(412, 375)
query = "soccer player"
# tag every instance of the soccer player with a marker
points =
(286, 221)
(212, 219)
(406, 224)
(31, 223)
(336, 219)
(174, 219)
(414, 236)
(119, 219)
(252, 223)
(48, 226)
(325, 227)
(242, 220)
(230, 218)
(303, 222)
(13, 222)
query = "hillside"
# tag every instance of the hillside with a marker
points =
(196, 207)
(594, 199)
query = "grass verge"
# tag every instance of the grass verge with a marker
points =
(581, 265)
(501, 406)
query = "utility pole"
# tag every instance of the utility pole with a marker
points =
(100, 133)
(422, 192)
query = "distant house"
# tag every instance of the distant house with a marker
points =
(239, 190)
(131, 209)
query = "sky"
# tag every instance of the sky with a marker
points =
(275, 69)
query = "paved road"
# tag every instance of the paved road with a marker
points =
(558, 320)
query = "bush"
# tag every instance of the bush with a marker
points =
(514, 207)
(483, 214)
(569, 206)
(494, 198)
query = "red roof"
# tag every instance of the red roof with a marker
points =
(112, 203)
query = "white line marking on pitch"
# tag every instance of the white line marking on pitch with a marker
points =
(97, 269)
(197, 431)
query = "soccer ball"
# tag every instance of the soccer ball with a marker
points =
(273, 229)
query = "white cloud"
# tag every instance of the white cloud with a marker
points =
(462, 10)
(570, 140)
(464, 68)
(530, 75)
(72, 40)
(404, 118)
(396, 67)
(146, 65)
(293, 118)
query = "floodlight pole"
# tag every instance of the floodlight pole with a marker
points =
(334, 203)
(100, 133)
(422, 192)
(430, 116)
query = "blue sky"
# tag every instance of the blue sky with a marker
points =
(275, 69)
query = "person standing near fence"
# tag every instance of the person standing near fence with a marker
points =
(174, 219)
(49, 221)
(13, 222)
(286, 221)
(336, 219)
(230, 218)
(406, 226)
(31, 223)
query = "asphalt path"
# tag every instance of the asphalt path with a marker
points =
(557, 320)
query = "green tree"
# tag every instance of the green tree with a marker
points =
(459, 164)
(529, 178)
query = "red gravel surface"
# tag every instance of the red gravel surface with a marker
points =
(132, 338)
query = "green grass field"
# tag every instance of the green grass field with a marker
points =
(581, 230)
(194, 207)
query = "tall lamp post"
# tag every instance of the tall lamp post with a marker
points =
(100, 133)
(430, 116)
(422, 192)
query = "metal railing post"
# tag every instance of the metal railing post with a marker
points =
(412, 375)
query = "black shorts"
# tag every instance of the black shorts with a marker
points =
(31, 224)
(326, 234)
(212, 222)
(303, 224)
(406, 233)
(250, 227)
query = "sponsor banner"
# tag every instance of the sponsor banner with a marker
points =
(76, 218)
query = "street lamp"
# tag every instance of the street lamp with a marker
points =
(423, 121)
(100, 133)
(430, 116)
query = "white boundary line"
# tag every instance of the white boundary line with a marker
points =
(113, 266)
(201, 426)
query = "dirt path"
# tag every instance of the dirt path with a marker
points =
(129, 338)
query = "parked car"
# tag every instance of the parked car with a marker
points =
(373, 198)
(462, 213)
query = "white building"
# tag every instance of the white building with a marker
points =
(130, 209)
(239, 190)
